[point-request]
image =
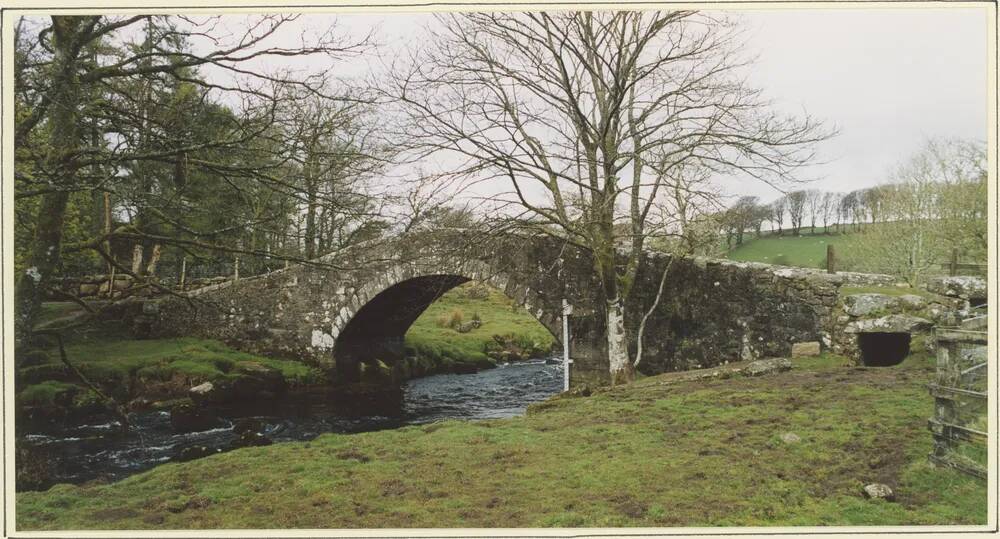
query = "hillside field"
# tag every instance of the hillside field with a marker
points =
(653, 453)
(805, 251)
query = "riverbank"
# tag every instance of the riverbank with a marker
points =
(474, 327)
(693, 453)
(470, 328)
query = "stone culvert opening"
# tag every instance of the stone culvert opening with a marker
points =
(883, 349)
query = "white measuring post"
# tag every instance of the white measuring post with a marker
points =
(567, 310)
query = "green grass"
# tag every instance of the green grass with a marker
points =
(46, 393)
(188, 356)
(806, 251)
(114, 364)
(427, 338)
(704, 453)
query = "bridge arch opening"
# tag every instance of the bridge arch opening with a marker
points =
(374, 338)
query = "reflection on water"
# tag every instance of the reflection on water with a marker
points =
(97, 451)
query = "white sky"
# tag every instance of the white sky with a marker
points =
(887, 78)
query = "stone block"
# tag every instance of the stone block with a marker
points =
(972, 288)
(895, 323)
(865, 304)
(805, 349)
(912, 301)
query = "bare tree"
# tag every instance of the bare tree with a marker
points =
(778, 208)
(814, 199)
(603, 106)
(796, 209)
(740, 217)
(99, 70)
(828, 208)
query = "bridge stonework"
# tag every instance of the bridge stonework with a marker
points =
(356, 305)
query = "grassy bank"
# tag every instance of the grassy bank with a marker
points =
(161, 368)
(436, 335)
(700, 453)
(155, 368)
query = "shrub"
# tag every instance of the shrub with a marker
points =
(456, 318)
(474, 290)
(48, 393)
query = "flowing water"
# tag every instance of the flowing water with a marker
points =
(96, 451)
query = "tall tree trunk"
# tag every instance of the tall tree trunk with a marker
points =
(621, 368)
(137, 259)
(154, 258)
(310, 219)
(64, 146)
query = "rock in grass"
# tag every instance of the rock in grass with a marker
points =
(790, 438)
(767, 366)
(879, 490)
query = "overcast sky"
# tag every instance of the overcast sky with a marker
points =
(887, 78)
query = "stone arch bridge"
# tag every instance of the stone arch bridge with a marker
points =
(356, 305)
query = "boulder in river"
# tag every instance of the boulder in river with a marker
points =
(464, 368)
(195, 452)
(254, 380)
(203, 393)
(247, 424)
(189, 417)
(250, 439)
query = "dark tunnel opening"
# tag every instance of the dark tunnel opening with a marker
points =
(883, 349)
(378, 329)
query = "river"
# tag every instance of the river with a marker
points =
(95, 451)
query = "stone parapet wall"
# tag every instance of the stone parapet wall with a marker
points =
(97, 286)
(361, 301)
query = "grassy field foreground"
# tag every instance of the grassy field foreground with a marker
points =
(701, 453)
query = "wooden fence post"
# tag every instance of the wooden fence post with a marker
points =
(831, 259)
(184, 266)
